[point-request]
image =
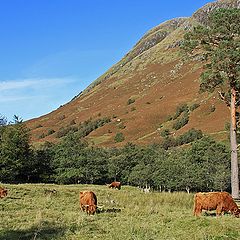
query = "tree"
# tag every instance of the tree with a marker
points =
(219, 42)
(15, 152)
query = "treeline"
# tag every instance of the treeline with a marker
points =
(203, 165)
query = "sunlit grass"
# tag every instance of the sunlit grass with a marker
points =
(30, 213)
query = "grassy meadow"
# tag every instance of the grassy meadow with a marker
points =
(31, 212)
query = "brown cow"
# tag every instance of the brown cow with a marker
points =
(115, 185)
(221, 201)
(88, 202)
(3, 192)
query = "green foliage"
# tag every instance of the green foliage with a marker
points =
(182, 121)
(84, 128)
(168, 142)
(119, 137)
(220, 44)
(15, 152)
(169, 118)
(42, 135)
(130, 101)
(227, 126)
(203, 166)
(189, 136)
(165, 133)
(65, 130)
(180, 109)
(212, 108)
(194, 106)
(75, 162)
(50, 131)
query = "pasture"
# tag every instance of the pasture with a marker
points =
(34, 211)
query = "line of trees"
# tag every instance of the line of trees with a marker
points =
(202, 166)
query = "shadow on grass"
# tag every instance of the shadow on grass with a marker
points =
(109, 210)
(34, 233)
(213, 214)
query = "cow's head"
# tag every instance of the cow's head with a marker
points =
(91, 209)
(236, 212)
(3, 193)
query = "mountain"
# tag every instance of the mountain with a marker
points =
(138, 96)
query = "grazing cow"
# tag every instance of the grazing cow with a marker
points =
(115, 185)
(3, 192)
(221, 201)
(88, 202)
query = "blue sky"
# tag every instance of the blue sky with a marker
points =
(50, 50)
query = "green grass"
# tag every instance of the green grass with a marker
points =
(29, 213)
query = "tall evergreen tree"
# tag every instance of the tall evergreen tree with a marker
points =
(219, 43)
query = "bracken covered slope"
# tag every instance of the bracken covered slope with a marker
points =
(139, 93)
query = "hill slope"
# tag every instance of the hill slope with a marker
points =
(139, 93)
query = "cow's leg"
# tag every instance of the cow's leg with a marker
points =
(219, 210)
(197, 210)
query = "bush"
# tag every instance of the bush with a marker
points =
(212, 108)
(169, 118)
(119, 137)
(64, 131)
(227, 126)
(168, 142)
(41, 136)
(189, 136)
(165, 133)
(50, 131)
(181, 122)
(130, 101)
(194, 106)
(180, 109)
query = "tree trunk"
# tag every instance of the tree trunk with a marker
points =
(233, 141)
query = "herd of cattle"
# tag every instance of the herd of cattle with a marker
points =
(222, 202)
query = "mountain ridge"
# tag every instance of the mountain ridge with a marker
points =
(153, 76)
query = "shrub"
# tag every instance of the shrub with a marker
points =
(165, 133)
(64, 131)
(180, 109)
(119, 137)
(121, 126)
(168, 142)
(169, 118)
(189, 136)
(194, 106)
(130, 101)
(227, 126)
(181, 122)
(41, 136)
(212, 108)
(50, 131)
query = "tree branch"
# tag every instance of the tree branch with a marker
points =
(221, 94)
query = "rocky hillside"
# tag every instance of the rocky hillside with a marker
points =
(143, 94)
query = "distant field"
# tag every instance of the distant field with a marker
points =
(29, 212)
